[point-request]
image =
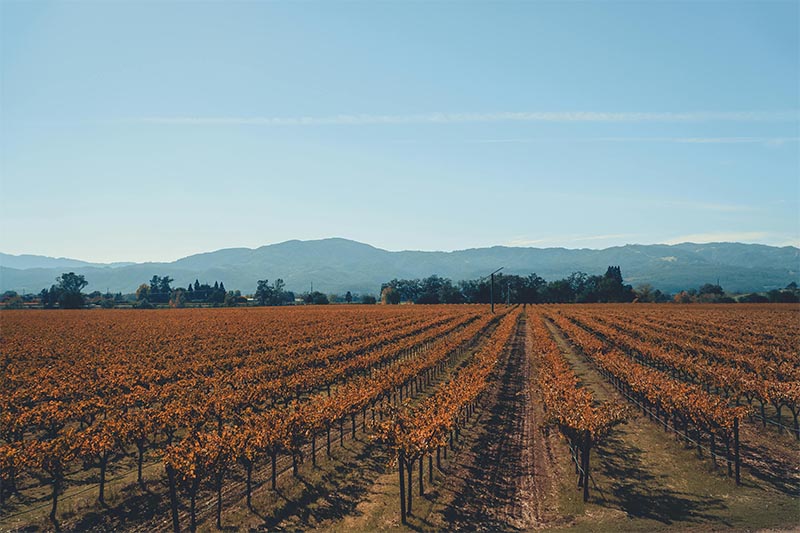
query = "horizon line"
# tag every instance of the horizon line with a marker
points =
(510, 244)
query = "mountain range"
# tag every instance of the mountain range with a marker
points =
(337, 265)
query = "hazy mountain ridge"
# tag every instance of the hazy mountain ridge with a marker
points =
(339, 265)
(27, 261)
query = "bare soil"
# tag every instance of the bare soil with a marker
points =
(506, 477)
(645, 480)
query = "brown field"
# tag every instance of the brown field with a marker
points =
(608, 417)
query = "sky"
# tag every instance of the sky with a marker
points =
(148, 131)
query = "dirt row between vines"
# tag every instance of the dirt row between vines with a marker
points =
(507, 478)
(770, 456)
(503, 475)
(645, 480)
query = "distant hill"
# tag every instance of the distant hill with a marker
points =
(338, 265)
(26, 261)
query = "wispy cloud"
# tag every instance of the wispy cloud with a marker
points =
(742, 236)
(708, 206)
(563, 240)
(455, 118)
(789, 242)
(770, 141)
(616, 239)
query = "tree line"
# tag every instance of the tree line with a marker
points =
(67, 293)
(578, 287)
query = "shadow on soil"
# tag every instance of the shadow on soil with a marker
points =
(637, 492)
(768, 469)
(332, 496)
(135, 507)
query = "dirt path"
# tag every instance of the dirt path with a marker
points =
(644, 480)
(504, 478)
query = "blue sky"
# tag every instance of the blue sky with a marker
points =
(152, 130)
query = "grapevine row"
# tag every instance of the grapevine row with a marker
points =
(688, 407)
(571, 407)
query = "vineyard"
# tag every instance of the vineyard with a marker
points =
(435, 417)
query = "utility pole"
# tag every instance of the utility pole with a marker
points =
(491, 286)
(491, 291)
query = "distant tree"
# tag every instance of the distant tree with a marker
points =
(683, 297)
(611, 287)
(230, 299)
(71, 282)
(348, 297)
(234, 298)
(428, 290)
(319, 298)
(407, 290)
(217, 296)
(449, 294)
(368, 299)
(532, 289)
(143, 292)
(709, 288)
(177, 299)
(8, 294)
(70, 286)
(50, 297)
(390, 295)
(614, 273)
(160, 289)
(559, 291)
(202, 293)
(278, 286)
(316, 298)
(782, 297)
(645, 293)
(263, 294)
(13, 302)
(710, 293)
(164, 285)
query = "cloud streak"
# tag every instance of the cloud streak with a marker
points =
(707, 206)
(461, 118)
(772, 141)
(704, 238)
(562, 240)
